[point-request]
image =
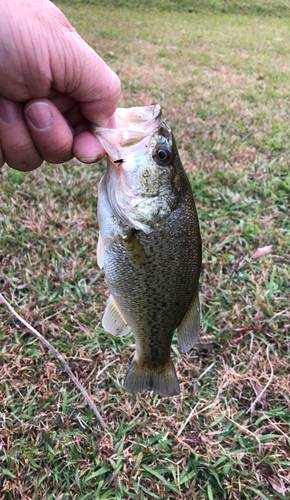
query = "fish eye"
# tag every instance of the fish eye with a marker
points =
(162, 155)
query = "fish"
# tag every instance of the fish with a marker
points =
(149, 246)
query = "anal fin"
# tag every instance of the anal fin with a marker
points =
(188, 330)
(113, 320)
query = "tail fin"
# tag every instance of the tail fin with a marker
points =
(140, 378)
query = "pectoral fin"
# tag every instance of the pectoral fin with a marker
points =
(113, 320)
(134, 249)
(100, 251)
(188, 330)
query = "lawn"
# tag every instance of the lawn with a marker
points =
(222, 76)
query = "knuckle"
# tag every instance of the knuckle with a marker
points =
(59, 153)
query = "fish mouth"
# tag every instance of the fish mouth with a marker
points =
(140, 116)
(133, 126)
(138, 191)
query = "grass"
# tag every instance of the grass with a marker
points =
(223, 83)
(278, 8)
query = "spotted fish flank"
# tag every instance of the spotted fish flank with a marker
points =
(149, 245)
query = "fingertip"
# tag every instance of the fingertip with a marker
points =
(16, 148)
(115, 89)
(87, 148)
(27, 166)
(111, 123)
(49, 130)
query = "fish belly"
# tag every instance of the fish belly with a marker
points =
(155, 295)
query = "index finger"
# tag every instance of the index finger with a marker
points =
(86, 78)
(101, 109)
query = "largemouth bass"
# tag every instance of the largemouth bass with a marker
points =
(149, 245)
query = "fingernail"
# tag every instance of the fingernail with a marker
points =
(40, 115)
(89, 160)
(106, 122)
(9, 111)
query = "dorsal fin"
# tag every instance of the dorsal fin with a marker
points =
(188, 330)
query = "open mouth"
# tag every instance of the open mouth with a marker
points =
(133, 126)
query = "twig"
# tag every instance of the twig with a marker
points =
(60, 358)
(187, 420)
(205, 371)
(266, 386)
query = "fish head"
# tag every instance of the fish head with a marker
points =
(142, 168)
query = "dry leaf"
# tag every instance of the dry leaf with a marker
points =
(277, 484)
(261, 252)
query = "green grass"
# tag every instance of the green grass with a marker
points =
(277, 8)
(223, 83)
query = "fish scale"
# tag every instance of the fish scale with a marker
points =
(152, 273)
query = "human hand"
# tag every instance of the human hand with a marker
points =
(50, 82)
